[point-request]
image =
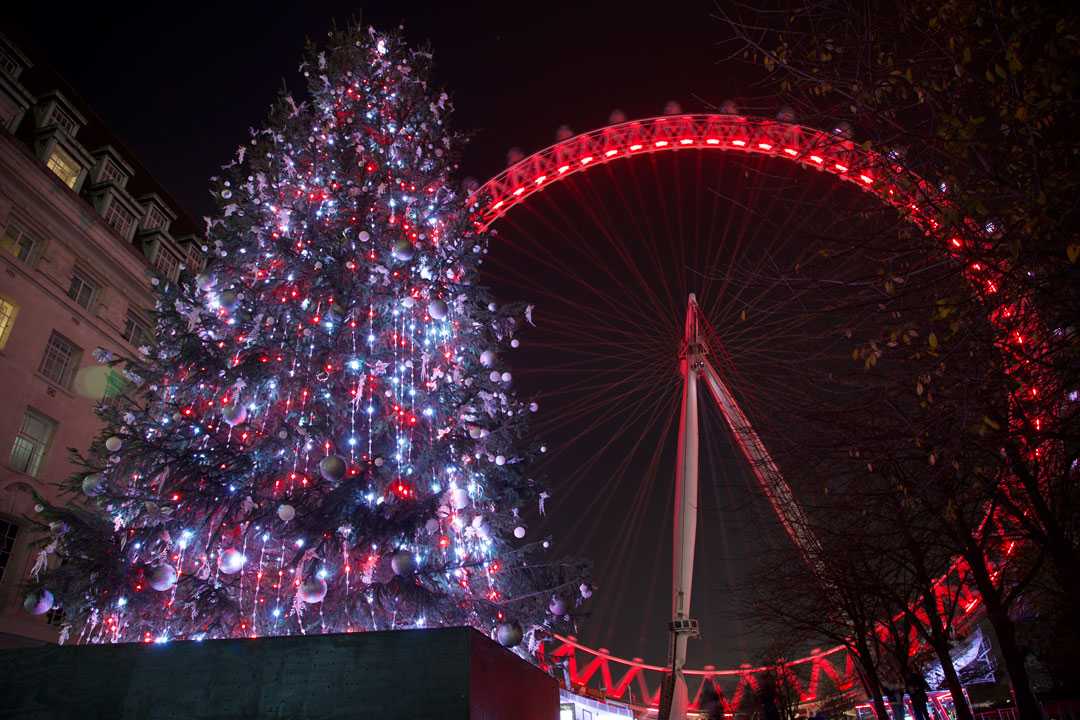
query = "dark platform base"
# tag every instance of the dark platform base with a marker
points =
(397, 675)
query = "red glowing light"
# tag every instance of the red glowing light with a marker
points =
(764, 146)
(519, 191)
(540, 179)
(841, 168)
(739, 143)
(661, 143)
(817, 158)
(563, 168)
(610, 153)
(686, 141)
(791, 151)
(586, 160)
(635, 146)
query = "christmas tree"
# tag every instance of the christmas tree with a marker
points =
(324, 437)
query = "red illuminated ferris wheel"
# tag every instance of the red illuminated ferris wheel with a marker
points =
(881, 175)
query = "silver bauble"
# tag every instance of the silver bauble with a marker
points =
(508, 634)
(332, 468)
(38, 602)
(519, 532)
(113, 444)
(286, 512)
(204, 281)
(438, 309)
(487, 358)
(93, 485)
(500, 460)
(231, 561)
(312, 590)
(162, 577)
(234, 414)
(403, 250)
(403, 563)
(557, 606)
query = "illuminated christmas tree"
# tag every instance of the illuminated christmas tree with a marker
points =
(324, 437)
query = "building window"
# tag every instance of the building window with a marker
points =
(195, 259)
(64, 166)
(61, 359)
(154, 219)
(9, 532)
(136, 331)
(111, 172)
(82, 289)
(167, 263)
(8, 311)
(119, 219)
(115, 387)
(32, 442)
(62, 119)
(19, 242)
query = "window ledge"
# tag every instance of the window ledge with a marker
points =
(53, 385)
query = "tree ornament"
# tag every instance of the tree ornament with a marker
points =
(204, 281)
(332, 468)
(228, 300)
(459, 498)
(286, 512)
(508, 634)
(234, 414)
(438, 310)
(519, 532)
(557, 606)
(113, 444)
(403, 563)
(231, 561)
(162, 577)
(586, 590)
(313, 590)
(93, 485)
(403, 250)
(487, 358)
(500, 460)
(431, 526)
(38, 602)
(506, 377)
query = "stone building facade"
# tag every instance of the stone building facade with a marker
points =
(82, 231)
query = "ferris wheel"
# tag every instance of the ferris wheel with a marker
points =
(880, 175)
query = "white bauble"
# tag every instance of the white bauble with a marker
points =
(500, 460)
(231, 561)
(491, 307)
(403, 563)
(438, 309)
(533, 407)
(234, 414)
(286, 512)
(408, 302)
(363, 236)
(487, 358)
(519, 532)
(312, 590)
(476, 432)
(515, 343)
(38, 602)
(113, 444)
(162, 577)
(93, 485)
(459, 498)
(557, 606)
(586, 590)
(507, 377)
(332, 468)
(204, 281)
(508, 634)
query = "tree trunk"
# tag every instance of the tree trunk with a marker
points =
(952, 681)
(1027, 705)
(871, 679)
(939, 640)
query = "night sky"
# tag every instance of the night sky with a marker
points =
(182, 88)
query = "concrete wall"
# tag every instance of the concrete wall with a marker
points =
(397, 675)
